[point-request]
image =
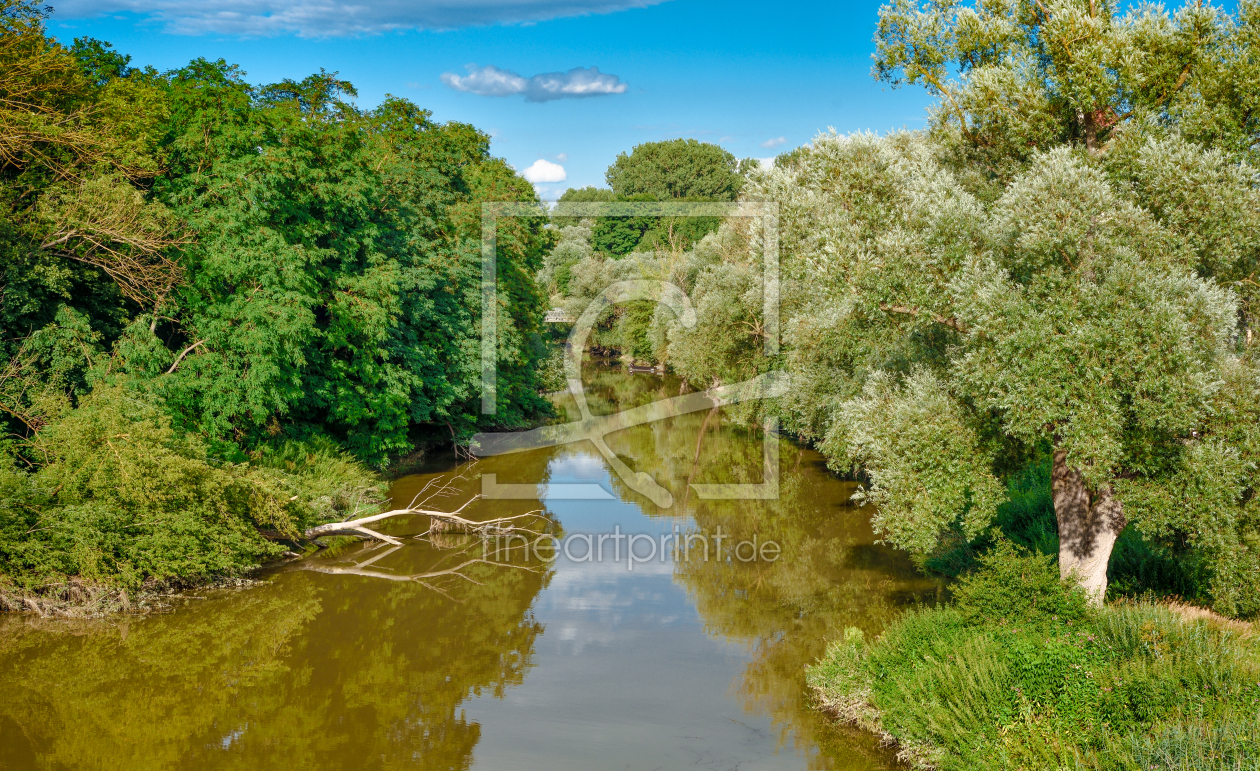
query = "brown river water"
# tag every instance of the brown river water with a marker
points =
(383, 658)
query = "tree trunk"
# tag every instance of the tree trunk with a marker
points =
(1089, 126)
(1089, 523)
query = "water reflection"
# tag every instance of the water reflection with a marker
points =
(779, 615)
(571, 664)
(307, 671)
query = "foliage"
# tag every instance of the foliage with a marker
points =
(589, 194)
(1125, 687)
(676, 169)
(618, 236)
(351, 313)
(1019, 588)
(121, 497)
(230, 267)
(922, 458)
(573, 246)
(1064, 263)
(1015, 79)
(551, 370)
(1063, 314)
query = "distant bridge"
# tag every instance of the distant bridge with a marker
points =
(558, 316)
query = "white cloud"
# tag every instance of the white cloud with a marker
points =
(544, 171)
(487, 81)
(773, 142)
(562, 157)
(329, 18)
(575, 84)
(766, 163)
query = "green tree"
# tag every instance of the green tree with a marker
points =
(589, 194)
(676, 169)
(619, 236)
(1015, 78)
(1064, 263)
(251, 267)
(934, 341)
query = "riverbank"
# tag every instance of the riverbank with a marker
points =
(76, 598)
(1020, 673)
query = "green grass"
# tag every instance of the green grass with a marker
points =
(1133, 685)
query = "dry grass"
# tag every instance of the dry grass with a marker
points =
(1245, 630)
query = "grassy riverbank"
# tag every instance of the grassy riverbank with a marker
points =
(1019, 673)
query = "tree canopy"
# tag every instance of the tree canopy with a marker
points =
(1017, 78)
(676, 169)
(229, 269)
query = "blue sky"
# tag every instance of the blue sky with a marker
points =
(758, 78)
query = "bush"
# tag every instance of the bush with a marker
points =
(997, 682)
(118, 497)
(1014, 586)
(551, 371)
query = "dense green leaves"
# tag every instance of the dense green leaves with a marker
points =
(928, 472)
(1065, 260)
(1019, 77)
(252, 265)
(1019, 589)
(676, 169)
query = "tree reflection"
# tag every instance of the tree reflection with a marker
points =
(830, 574)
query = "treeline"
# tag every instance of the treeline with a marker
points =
(219, 301)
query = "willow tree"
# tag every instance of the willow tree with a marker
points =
(1015, 77)
(1062, 262)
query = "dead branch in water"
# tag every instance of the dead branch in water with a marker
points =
(442, 521)
(359, 526)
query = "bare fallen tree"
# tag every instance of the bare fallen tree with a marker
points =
(442, 533)
(441, 521)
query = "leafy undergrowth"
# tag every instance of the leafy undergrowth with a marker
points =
(109, 502)
(1140, 567)
(1020, 673)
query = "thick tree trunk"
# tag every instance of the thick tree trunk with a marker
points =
(1089, 523)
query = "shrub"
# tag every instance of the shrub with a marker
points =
(551, 371)
(1013, 586)
(119, 497)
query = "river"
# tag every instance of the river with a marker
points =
(377, 657)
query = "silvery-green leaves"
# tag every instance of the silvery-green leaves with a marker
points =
(1091, 305)
(927, 469)
(1086, 326)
